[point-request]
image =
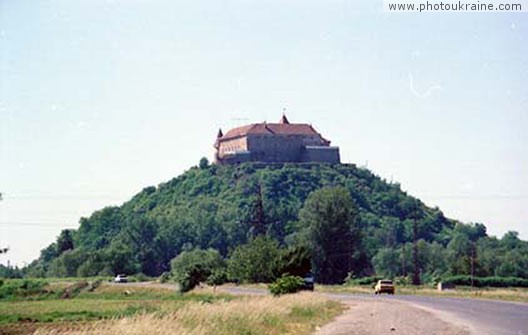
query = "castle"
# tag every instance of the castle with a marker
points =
(274, 143)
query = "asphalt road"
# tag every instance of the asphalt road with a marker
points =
(483, 317)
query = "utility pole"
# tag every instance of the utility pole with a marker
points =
(3, 250)
(258, 222)
(404, 265)
(416, 272)
(472, 262)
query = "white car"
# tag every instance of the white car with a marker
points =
(120, 279)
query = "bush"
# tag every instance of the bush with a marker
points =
(403, 280)
(255, 262)
(165, 276)
(94, 285)
(364, 280)
(218, 277)
(190, 268)
(139, 277)
(285, 285)
(25, 288)
(73, 290)
(487, 281)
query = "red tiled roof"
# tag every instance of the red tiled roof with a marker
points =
(271, 129)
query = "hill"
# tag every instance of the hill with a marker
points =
(214, 206)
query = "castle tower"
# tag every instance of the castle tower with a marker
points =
(284, 120)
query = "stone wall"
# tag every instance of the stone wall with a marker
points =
(276, 149)
(321, 154)
(270, 148)
(231, 146)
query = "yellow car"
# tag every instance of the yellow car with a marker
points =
(384, 286)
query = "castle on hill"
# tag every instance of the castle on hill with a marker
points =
(274, 143)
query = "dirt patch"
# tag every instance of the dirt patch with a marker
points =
(373, 317)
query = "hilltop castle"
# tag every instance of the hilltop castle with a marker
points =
(274, 143)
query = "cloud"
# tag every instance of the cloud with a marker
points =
(418, 94)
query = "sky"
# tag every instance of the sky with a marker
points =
(99, 99)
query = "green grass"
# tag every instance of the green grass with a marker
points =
(41, 302)
(505, 294)
(159, 310)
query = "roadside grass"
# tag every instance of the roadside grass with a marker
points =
(292, 314)
(155, 309)
(506, 294)
(105, 302)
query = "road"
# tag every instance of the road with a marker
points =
(482, 317)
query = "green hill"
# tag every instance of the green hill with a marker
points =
(216, 206)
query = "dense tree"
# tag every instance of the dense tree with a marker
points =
(332, 221)
(190, 268)
(255, 262)
(214, 206)
(65, 241)
(204, 163)
(387, 262)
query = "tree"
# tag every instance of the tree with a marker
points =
(295, 261)
(190, 268)
(65, 241)
(140, 234)
(255, 262)
(120, 258)
(387, 262)
(334, 233)
(204, 163)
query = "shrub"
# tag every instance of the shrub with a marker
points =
(218, 277)
(190, 268)
(22, 288)
(73, 290)
(165, 276)
(94, 285)
(139, 277)
(285, 285)
(487, 281)
(364, 280)
(403, 280)
(255, 262)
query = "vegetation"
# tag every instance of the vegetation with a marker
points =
(35, 306)
(298, 314)
(330, 218)
(36, 301)
(191, 268)
(295, 212)
(255, 262)
(487, 281)
(285, 285)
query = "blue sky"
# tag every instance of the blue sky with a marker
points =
(99, 99)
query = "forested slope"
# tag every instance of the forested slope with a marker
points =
(218, 207)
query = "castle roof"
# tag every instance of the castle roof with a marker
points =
(282, 128)
(271, 129)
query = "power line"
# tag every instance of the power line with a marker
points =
(35, 224)
(477, 197)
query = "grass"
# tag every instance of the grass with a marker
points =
(152, 309)
(505, 294)
(288, 314)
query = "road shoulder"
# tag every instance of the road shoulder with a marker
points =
(368, 316)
